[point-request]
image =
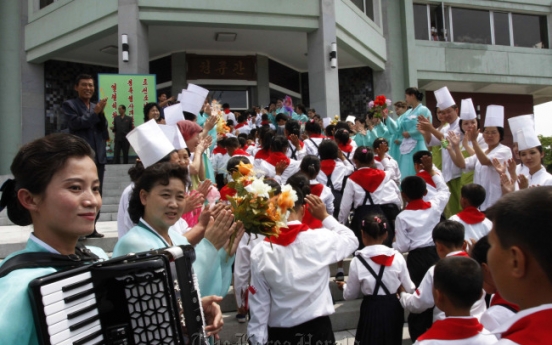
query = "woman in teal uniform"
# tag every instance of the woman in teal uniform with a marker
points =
(57, 190)
(157, 202)
(412, 141)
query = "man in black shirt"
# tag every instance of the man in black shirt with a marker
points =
(122, 125)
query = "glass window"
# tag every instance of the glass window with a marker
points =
(359, 4)
(501, 28)
(238, 100)
(420, 22)
(530, 31)
(370, 9)
(438, 28)
(471, 26)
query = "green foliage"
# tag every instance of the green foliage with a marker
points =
(546, 143)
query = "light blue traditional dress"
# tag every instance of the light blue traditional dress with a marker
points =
(208, 167)
(393, 127)
(408, 124)
(366, 139)
(212, 267)
(301, 118)
(16, 316)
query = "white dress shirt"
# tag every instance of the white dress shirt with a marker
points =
(310, 147)
(505, 326)
(242, 265)
(362, 283)
(326, 196)
(422, 299)
(269, 170)
(486, 175)
(353, 195)
(482, 338)
(475, 231)
(413, 228)
(124, 223)
(219, 162)
(291, 282)
(495, 316)
(342, 169)
(299, 153)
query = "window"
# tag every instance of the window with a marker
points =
(444, 23)
(502, 28)
(420, 22)
(238, 100)
(529, 31)
(471, 26)
(366, 6)
(44, 3)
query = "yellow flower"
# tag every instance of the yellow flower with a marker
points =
(245, 169)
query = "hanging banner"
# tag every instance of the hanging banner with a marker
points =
(131, 90)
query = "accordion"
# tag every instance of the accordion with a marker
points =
(146, 298)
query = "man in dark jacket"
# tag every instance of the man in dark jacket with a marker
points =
(87, 120)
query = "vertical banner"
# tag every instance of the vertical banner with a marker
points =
(131, 90)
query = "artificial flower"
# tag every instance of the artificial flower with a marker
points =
(258, 188)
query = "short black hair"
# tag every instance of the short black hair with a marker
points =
(302, 107)
(342, 136)
(147, 109)
(293, 127)
(364, 154)
(122, 106)
(500, 131)
(341, 125)
(230, 122)
(523, 219)
(82, 77)
(475, 194)
(328, 150)
(374, 224)
(279, 144)
(449, 233)
(414, 187)
(225, 106)
(460, 279)
(242, 118)
(310, 165)
(264, 117)
(378, 142)
(189, 116)
(281, 116)
(417, 157)
(233, 162)
(480, 249)
(313, 127)
(232, 142)
(329, 130)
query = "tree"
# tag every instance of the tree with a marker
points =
(546, 143)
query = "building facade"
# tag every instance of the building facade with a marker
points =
(251, 52)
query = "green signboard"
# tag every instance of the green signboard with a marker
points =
(131, 90)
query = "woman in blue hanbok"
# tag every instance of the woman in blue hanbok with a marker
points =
(412, 140)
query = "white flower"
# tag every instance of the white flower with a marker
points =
(292, 192)
(259, 188)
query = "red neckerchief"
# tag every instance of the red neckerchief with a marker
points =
(262, 154)
(347, 147)
(383, 260)
(310, 221)
(377, 158)
(317, 189)
(471, 215)
(531, 329)
(240, 152)
(498, 300)
(330, 137)
(462, 253)
(227, 111)
(226, 191)
(315, 136)
(240, 125)
(369, 179)
(453, 329)
(418, 204)
(301, 143)
(427, 177)
(287, 235)
(276, 157)
(327, 166)
(245, 148)
(265, 123)
(220, 150)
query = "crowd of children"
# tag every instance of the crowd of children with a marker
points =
(410, 216)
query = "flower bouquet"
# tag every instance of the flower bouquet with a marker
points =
(379, 106)
(216, 110)
(256, 206)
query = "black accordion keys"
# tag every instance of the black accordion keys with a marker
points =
(146, 298)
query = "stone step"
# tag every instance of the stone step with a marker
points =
(110, 208)
(119, 186)
(117, 167)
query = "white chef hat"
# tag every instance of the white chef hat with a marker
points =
(444, 98)
(150, 143)
(494, 116)
(527, 138)
(518, 122)
(467, 110)
(173, 134)
(191, 102)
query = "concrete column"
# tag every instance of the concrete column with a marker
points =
(263, 90)
(391, 82)
(33, 124)
(409, 43)
(323, 80)
(130, 24)
(10, 87)
(178, 73)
